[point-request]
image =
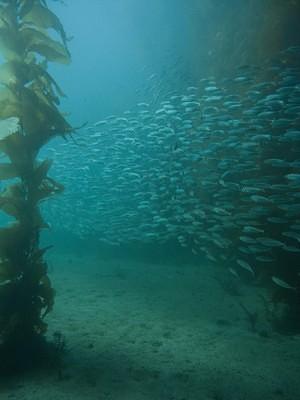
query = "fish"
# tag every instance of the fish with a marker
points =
(246, 266)
(233, 272)
(252, 229)
(281, 283)
(269, 242)
(265, 259)
(247, 239)
(260, 199)
(293, 177)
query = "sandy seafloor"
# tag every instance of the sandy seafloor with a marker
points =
(141, 331)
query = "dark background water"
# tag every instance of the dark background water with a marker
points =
(128, 51)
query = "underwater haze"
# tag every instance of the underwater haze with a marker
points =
(127, 51)
(176, 256)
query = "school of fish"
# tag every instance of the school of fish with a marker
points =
(215, 168)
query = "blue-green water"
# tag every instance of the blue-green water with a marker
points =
(177, 238)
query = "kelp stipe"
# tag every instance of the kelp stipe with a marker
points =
(29, 118)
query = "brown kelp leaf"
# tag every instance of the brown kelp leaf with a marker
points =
(5, 19)
(44, 93)
(8, 15)
(50, 81)
(41, 170)
(10, 47)
(7, 270)
(38, 221)
(38, 254)
(26, 6)
(42, 17)
(7, 171)
(14, 191)
(45, 280)
(12, 141)
(12, 201)
(10, 208)
(8, 73)
(41, 119)
(9, 103)
(49, 187)
(46, 292)
(40, 327)
(39, 42)
(10, 108)
(33, 113)
(16, 72)
(9, 126)
(11, 239)
(13, 146)
(44, 80)
(38, 269)
(53, 51)
(36, 116)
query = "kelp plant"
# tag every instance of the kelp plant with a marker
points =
(31, 35)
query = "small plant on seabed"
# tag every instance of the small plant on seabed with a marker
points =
(29, 118)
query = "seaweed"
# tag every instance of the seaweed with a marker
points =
(29, 118)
